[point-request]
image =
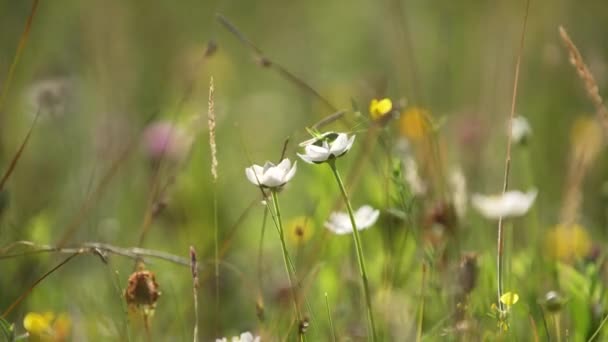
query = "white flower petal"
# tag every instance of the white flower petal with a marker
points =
(520, 129)
(305, 158)
(412, 178)
(250, 172)
(338, 146)
(273, 177)
(366, 216)
(350, 143)
(317, 153)
(510, 204)
(267, 166)
(246, 337)
(339, 222)
(458, 184)
(285, 165)
(291, 172)
(320, 149)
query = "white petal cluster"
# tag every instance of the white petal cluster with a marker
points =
(458, 184)
(328, 145)
(245, 337)
(412, 178)
(509, 204)
(520, 129)
(270, 175)
(339, 222)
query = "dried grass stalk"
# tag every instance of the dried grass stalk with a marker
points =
(211, 124)
(576, 59)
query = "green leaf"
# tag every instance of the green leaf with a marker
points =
(7, 330)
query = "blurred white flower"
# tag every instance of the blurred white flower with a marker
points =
(327, 146)
(245, 337)
(270, 175)
(412, 178)
(49, 96)
(458, 183)
(509, 204)
(520, 129)
(339, 222)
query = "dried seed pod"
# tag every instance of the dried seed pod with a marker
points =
(467, 272)
(142, 290)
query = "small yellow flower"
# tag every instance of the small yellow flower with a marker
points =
(415, 124)
(299, 230)
(509, 298)
(379, 108)
(45, 327)
(568, 243)
(37, 323)
(587, 139)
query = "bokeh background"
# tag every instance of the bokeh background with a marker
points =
(101, 72)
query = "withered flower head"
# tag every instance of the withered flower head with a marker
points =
(442, 214)
(467, 272)
(142, 289)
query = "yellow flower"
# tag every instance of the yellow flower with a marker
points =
(587, 139)
(299, 230)
(45, 327)
(379, 108)
(509, 298)
(568, 243)
(415, 123)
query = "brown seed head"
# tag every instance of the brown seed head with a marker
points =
(142, 289)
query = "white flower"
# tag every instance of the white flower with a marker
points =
(328, 145)
(509, 204)
(458, 184)
(412, 178)
(339, 222)
(245, 337)
(270, 175)
(520, 129)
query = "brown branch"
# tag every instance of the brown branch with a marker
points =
(22, 41)
(38, 281)
(268, 63)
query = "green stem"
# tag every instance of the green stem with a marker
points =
(558, 333)
(421, 312)
(331, 322)
(359, 249)
(500, 265)
(288, 266)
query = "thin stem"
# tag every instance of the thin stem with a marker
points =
(217, 255)
(421, 313)
(288, 267)
(558, 333)
(359, 249)
(260, 259)
(500, 238)
(331, 322)
(596, 333)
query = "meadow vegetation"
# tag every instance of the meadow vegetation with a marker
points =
(303, 171)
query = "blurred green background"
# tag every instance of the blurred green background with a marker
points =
(110, 67)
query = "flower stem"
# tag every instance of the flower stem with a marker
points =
(288, 267)
(500, 264)
(359, 249)
(331, 322)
